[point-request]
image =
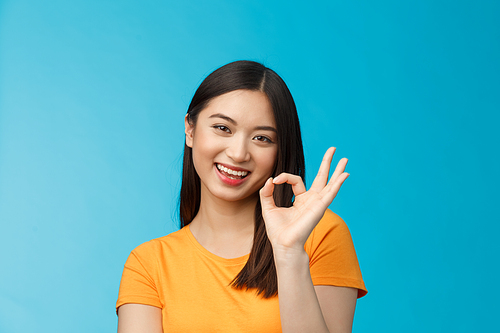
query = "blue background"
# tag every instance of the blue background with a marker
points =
(92, 100)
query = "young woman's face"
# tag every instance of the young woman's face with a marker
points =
(234, 144)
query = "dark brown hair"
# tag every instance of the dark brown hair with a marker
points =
(260, 271)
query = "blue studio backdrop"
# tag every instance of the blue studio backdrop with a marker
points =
(92, 100)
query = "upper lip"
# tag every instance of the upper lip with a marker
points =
(233, 167)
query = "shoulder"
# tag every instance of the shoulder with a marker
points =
(331, 234)
(330, 225)
(150, 250)
(331, 220)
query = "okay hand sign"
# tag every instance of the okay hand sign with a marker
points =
(289, 228)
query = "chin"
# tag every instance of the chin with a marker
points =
(233, 195)
(237, 198)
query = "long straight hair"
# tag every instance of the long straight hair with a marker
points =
(260, 271)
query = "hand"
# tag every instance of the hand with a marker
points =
(289, 228)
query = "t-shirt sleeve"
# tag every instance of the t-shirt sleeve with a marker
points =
(138, 283)
(332, 258)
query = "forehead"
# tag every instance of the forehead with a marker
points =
(243, 106)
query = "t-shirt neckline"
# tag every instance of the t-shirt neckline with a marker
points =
(204, 251)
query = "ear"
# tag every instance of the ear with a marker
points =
(189, 131)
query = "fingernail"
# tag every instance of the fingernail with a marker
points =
(275, 179)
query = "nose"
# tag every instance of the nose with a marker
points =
(237, 150)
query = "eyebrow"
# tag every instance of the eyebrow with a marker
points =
(220, 115)
(232, 121)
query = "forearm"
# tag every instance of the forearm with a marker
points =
(300, 310)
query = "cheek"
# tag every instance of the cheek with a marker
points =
(204, 150)
(269, 161)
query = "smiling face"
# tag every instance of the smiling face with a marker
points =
(234, 145)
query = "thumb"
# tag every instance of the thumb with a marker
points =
(266, 195)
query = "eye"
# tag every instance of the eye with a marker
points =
(263, 138)
(222, 128)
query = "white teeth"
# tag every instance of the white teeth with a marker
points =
(231, 172)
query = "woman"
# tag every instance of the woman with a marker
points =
(257, 252)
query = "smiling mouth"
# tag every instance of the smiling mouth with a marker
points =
(232, 174)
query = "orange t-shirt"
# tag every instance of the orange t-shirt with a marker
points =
(191, 284)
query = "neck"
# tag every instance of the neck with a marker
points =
(226, 217)
(225, 227)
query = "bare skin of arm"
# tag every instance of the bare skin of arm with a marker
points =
(139, 318)
(337, 305)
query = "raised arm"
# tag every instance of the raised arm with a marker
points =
(308, 308)
(304, 307)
